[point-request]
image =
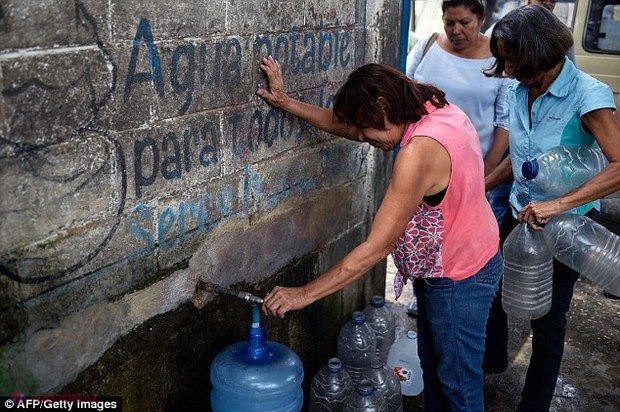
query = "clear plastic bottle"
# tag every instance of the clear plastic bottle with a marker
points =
(382, 322)
(403, 359)
(528, 273)
(563, 168)
(357, 344)
(386, 382)
(365, 398)
(330, 387)
(586, 247)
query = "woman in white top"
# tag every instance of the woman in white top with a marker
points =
(455, 63)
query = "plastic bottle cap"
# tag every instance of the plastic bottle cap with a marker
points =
(412, 335)
(529, 169)
(334, 365)
(377, 301)
(376, 363)
(358, 317)
(365, 387)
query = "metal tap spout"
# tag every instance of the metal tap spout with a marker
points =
(214, 288)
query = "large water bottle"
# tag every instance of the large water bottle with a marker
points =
(563, 168)
(256, 375)
(386, 382)
(382, 322)
(528, 273)
(586, 247)
(357, 344)
(330, 387)
(365, 398)
(403, 359)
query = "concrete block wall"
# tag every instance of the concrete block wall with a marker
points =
(136, 159)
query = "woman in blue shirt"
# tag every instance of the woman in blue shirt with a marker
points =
(553, 103)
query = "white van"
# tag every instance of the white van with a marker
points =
(596, 31)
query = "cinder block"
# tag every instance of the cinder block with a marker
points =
(260, 17)
(170, 20)
(46, 24)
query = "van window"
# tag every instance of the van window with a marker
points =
(602, 34)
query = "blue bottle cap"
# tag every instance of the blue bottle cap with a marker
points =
(334, 365)
(377, 301)
(358, 317)
(529, 169)
(365, 387)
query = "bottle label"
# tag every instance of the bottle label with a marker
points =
(403, 374)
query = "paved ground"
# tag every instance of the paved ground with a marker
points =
(590, 375)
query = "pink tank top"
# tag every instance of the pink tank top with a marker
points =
(456, 238)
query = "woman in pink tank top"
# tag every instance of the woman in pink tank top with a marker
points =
(434, 218)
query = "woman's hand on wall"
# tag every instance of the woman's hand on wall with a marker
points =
(275, 95)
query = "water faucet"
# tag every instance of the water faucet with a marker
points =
(215, 288)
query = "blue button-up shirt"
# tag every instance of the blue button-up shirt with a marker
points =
(555, 120)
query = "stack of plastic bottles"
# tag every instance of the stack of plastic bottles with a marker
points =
(358, 378)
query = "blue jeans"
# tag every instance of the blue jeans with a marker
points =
(452, 317)
(498, 199)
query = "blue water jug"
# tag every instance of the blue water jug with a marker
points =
(256, 375)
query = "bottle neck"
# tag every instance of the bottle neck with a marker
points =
(256, 349)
